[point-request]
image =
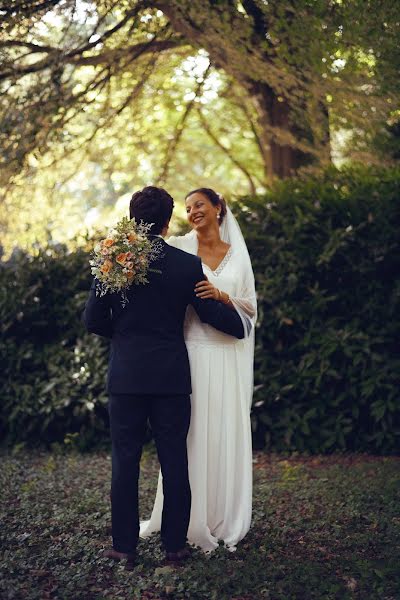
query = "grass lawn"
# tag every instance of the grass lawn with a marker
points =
(323, 528)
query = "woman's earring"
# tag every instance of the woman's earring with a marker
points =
(218, 216)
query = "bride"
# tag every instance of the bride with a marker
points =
(219, 439)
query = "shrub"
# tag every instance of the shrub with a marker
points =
(326, 256)
(53, 372)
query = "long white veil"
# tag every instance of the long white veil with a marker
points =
(245, 302)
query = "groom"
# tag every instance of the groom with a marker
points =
(149, 379)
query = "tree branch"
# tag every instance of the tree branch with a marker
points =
(148, 70)
(257, 15)
(129, 14)
(218, 143)
(28, 8)
(173, 144)
(106, 57)
(134, 51)
(33, 47)
(264, 153)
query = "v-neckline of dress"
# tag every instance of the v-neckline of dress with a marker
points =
(221, 265)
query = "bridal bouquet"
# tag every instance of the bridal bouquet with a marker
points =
(123, 258)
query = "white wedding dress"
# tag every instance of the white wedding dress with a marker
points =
(219, 439)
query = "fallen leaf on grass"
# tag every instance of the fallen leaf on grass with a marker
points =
(39, 573)
(169, 589)
(163, 570)
(351, 583)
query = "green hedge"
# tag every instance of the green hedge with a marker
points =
(53, 372)
(326, 256)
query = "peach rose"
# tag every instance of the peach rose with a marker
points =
(108, 242)
(121, 258)
(129, 264)
(132, 237)
(130, 274)
(106, 266)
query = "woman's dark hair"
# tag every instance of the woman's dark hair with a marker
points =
(213, 197)
(152, 205)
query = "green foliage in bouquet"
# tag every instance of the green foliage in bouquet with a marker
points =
(326, 256)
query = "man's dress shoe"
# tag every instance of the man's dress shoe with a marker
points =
(178, 557)
(118, 556)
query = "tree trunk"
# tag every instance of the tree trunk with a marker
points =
(292, 136)
(280, 132)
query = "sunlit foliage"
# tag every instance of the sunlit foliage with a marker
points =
(99, 97)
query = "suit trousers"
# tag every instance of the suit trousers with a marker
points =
(169, 418)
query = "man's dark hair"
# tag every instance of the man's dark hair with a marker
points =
(152, 205)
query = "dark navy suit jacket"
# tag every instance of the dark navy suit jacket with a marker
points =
(148, 351)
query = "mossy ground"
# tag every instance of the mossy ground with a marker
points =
(323, 528)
